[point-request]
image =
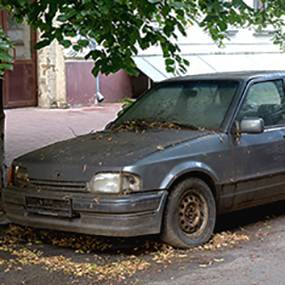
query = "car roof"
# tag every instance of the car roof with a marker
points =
(234, 75)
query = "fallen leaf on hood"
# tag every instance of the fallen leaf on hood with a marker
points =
(160, 147)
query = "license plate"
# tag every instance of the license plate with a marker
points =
(49, 207)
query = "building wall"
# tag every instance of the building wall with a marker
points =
(140, 84)
(245, 49)
(20, 83)
(51, 77)
(65, 78)
(81, 84)
(116, 86)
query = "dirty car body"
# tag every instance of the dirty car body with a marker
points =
(222, 134)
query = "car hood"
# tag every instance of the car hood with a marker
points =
(78, 158)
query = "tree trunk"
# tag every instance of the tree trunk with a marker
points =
(2, 124)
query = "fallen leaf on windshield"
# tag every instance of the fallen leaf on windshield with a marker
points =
(84, 168)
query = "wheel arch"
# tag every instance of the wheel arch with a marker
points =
(202, 172)
(196, 174)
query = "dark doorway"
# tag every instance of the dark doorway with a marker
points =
(141, 84)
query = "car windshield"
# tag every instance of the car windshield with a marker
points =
(192, 104)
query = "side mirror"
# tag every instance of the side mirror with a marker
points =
(252, 126)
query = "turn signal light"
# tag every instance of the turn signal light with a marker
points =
(10, 176)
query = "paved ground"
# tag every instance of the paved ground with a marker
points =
(259, 261)
(248, 247)
(31, 128)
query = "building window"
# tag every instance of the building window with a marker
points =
(259, 5)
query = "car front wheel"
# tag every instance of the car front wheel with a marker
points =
(190, 214)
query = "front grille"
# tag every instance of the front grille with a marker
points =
(58, 185)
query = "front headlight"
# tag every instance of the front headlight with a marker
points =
(114, 183)
(18, 176)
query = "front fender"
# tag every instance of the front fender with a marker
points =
(187, 167)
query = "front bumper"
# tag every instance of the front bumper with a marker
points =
(123, 216)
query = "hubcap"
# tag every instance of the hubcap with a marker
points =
(193, 213)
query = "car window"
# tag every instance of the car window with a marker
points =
(265, 100)
(202, 104)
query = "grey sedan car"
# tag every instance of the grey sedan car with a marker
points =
(188, 150)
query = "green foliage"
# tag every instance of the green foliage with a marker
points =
(5, 57)
(121, 27)
(126, 103)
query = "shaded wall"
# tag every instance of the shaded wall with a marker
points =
(81, 84)
(140, 84)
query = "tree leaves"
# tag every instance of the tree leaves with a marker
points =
(121, 27)
(5, 55)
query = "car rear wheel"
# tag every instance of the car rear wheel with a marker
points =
(190, 214)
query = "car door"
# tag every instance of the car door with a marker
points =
(259, 159)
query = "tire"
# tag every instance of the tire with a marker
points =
(190, 214)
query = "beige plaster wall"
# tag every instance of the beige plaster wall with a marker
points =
(51, 77)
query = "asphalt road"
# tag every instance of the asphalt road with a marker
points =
(254, 263)
(261, 260)
(39, 257)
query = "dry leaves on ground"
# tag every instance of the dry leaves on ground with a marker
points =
(19, 241)
(224, 239)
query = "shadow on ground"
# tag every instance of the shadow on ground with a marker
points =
(137, 245)
(244, 218)
(80, 258)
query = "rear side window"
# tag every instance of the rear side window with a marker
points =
(265, 100)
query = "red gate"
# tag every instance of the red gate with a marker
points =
(20, 84)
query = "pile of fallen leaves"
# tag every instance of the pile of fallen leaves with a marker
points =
(141, 125)
(114, 270)
(224, 239)
(17, 235)
(24, 245)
